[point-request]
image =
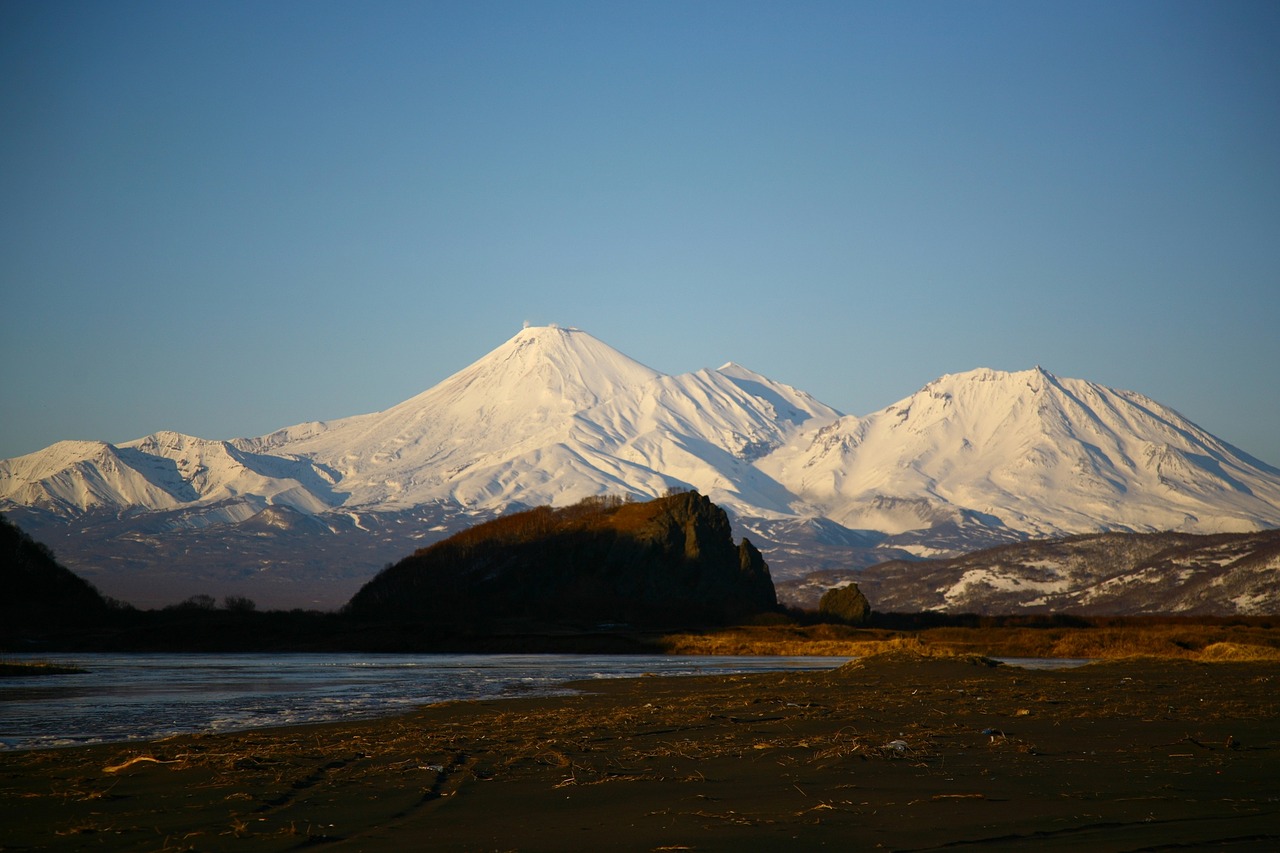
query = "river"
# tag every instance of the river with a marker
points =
(125, 697)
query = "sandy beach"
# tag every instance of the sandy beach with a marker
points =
(893, 752)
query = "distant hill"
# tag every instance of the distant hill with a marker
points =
(667, 561)
(35, 591)
(1107, 573)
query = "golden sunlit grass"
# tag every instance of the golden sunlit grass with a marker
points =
(20, 669)
(1203, 642)
(833, 640)
(1238, 652)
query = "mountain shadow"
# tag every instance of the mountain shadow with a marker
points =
(663, 562)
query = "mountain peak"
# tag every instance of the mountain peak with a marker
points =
(564, 368)
(449, 442)
(549, 332)
(1036, 453)
(990, 374)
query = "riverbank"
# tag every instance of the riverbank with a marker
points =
(144, 697)
(27, 669)
(1099, 638)
(897, 750)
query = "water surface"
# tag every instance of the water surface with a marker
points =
(125, 697)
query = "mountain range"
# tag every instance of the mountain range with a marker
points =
(302, 516)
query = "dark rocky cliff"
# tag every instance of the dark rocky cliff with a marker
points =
(667, 561)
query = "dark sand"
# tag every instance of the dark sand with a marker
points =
(893, 753)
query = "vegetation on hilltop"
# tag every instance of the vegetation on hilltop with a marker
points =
(669, 561)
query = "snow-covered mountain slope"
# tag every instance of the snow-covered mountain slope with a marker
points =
(166, 470)
(554, 415)
(523, 394)
(1105, 573)
(704, 429)
(1029, 452)
(551, 416)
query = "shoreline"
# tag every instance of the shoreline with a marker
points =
(140, 698)
(289, 715)
(898, 750)
(35, 669)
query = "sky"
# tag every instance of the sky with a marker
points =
(226, 218)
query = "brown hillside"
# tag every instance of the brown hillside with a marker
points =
(666, 561)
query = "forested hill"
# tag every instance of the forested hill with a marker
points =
(666, 561)
(36, 591)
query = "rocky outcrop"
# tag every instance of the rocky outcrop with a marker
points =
(663, 562)
(847, 604)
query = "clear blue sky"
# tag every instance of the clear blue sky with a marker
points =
(224, 218)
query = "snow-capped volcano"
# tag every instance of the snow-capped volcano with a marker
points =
(519, 401)
(554, 415)
(1031, 452)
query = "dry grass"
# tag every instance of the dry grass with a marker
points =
(21, 669)
(1203, 642)
(833, 640)
(1238, 652)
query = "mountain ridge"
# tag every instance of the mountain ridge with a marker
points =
(1083, 457)
(553, 416)
(1162, 573)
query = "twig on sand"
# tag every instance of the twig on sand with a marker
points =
(116, 768)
